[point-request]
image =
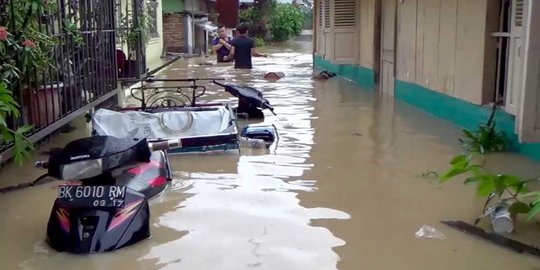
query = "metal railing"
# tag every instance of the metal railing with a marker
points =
(83, 69)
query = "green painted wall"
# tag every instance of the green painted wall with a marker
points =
(170, 6)
(460, 112)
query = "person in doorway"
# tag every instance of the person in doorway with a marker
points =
(243, 48)
(221, 45)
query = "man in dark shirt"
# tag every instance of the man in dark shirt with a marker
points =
(243, 48)
(221, 45)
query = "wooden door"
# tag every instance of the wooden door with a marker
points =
(388, 47)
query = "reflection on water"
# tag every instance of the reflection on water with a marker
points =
(339, 191)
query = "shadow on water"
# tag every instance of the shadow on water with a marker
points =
(339, 192)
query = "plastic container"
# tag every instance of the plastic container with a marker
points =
(501, 220)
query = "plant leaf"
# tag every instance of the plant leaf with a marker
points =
(515, 183)
(454, 171)
(519, 208)
(7, 135)
(535, 210)
(486, 187)
(458, 159)
(24, 129)
(468, 134)
(471, 180)
(531, 194)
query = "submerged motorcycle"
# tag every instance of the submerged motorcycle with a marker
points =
(107, 208)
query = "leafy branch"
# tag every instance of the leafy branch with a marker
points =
(506, 189)
(486, 138)
(9, 107)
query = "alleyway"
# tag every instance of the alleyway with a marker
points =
(340, 192)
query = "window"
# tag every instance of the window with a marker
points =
(343, 47)
(344, 13)
(327, 14)
(518, 12)
(152, 6)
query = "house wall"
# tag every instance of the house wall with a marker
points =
(170, 6)
(367, 33)
(228, 12)
(196, 5)
(174, 32)
(445, 60)
(444, 45)
(154, 49)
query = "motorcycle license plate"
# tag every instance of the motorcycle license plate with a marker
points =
(92, 196)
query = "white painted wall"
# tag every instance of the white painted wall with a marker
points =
(154, 48)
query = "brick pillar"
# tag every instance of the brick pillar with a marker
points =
(173, 32)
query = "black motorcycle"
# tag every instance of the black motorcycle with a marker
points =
(106, 208)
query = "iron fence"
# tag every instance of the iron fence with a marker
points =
(83, 69)
(132, 23)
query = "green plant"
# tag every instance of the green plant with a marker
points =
(250, 16)
(135, 28)
(286, 21)
(486, 138)
(26, 51)
(25, 45)
(9, 107)
(506, 189)
(259, 42)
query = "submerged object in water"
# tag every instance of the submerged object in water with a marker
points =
(253, 143)
(325, 75)
(274, 75)
(265, 132)
(249, 99)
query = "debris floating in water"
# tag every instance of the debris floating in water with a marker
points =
(324, 75)
(429, 232)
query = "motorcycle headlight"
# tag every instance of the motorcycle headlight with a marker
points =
(82, 169)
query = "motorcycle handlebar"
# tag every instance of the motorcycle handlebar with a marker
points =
(219, 83)
(157, 146)
(165, 145)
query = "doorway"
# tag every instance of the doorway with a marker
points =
(387, 13)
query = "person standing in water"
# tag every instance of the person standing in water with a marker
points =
(221, 44)
(243, 48)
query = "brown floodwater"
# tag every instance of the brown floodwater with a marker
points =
(341, 191)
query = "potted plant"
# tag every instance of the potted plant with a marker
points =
(26, 66)
(134, 33)
(24, 51)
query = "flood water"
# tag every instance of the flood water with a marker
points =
(340, 191)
